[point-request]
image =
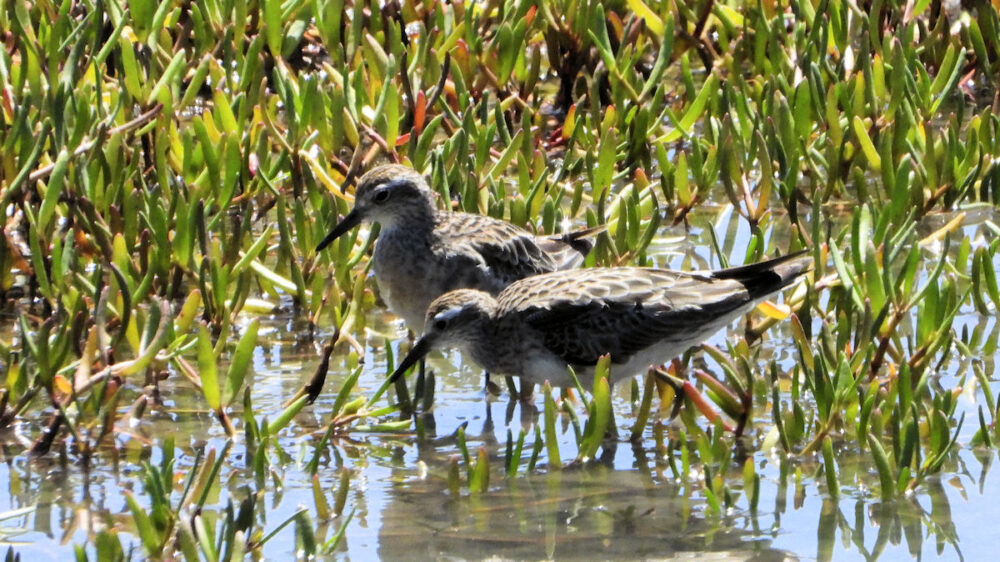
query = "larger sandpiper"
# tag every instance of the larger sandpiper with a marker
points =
(422, 252)
(539, 326)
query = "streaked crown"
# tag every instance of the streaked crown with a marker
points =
(456, 314)
(391, 193)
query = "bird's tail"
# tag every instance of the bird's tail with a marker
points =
(581, 240)
(763, 278)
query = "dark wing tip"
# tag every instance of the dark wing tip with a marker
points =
(766, 277)
(580, 240)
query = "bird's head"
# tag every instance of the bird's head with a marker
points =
(454, 320)
(387, 195)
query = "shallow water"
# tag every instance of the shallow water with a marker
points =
(628, 504)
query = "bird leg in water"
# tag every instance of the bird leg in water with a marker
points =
(490, 386)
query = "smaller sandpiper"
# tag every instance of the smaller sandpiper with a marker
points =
(422, 252)
(538, 326)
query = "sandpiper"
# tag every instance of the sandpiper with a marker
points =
(422, 252)
(538, 326)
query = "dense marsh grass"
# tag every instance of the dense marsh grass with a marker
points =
(167, 169)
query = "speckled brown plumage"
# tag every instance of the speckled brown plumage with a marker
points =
(422, 253)
(537, 326)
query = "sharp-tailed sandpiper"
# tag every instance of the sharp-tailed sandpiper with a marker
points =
(422, 252)
(538, 326)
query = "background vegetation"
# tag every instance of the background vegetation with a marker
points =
(167, 169)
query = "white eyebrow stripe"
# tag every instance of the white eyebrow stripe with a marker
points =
(448, 314)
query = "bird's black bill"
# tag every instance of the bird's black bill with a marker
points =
(350, 221)
(417, 352)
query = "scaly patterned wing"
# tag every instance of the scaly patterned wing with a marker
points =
(584, 314)
(508, 252)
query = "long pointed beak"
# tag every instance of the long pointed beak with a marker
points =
(350, 221)
(423, 346)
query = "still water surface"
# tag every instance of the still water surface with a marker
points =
(627, 505)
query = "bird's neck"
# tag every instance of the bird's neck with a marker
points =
(417, 221)
(484, 340)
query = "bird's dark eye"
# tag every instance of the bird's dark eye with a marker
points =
(381, 196)
(440, 324)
